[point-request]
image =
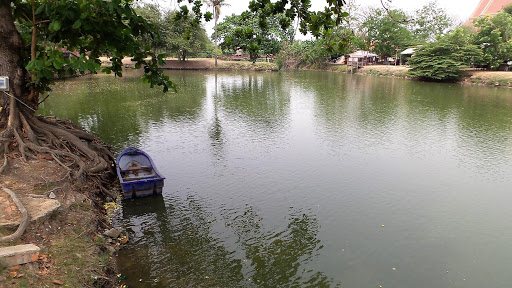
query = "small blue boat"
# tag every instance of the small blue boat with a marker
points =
(137, 174)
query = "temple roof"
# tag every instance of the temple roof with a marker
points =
(488, 7)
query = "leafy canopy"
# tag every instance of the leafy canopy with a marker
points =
(183, 37)
(316, 22)
(495, 38)
(92, 28)
(242, 31)
(154, 16)
(429, 22)
(444, 59)
(386, 31)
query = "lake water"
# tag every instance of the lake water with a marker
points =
(309, 179)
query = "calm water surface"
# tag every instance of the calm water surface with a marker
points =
(309, 179)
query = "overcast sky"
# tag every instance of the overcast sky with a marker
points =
(459, 9)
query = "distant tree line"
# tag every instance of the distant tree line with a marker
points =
(487, 45)
(443, 48)
(180, 36)
(383, 31)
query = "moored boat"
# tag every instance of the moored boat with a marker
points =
(138, 174)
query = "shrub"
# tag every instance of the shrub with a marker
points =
(444, 59)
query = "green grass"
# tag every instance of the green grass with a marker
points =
(499, 81)
(492, 81)
(247, 66)
(339, 68)
(75, 258)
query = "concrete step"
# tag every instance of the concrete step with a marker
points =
(19, 254)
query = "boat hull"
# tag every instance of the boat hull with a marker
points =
(142, 188)
(137, 174)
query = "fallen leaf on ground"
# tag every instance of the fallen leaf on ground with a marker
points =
(58, 282)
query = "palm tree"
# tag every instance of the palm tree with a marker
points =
(216, 4)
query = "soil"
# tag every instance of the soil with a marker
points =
(205, 64)
(196, 64)
(72, 249)
(490, 74)
(489, 78)
(471, 76)
(386, 68)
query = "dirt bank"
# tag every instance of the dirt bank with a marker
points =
(73, 251)
(206, 64)
(209, 64)
(489, 78)
(474, 77)
(384, 70)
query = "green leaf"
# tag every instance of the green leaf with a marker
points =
(54, 26)
(58, 63)
(77, 24)
(40, 9)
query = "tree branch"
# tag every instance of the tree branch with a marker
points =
(393, 17)
(42, 21)
(24, 217)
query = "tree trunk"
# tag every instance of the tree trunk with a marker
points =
(216, 18)
(11, 46)
(71, 147)
(22, 125)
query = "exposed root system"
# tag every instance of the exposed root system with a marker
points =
(83, 155)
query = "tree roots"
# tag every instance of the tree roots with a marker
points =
(82, 154)
(24, 217)
(72, 147)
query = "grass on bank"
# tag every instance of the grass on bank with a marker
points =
(247, 66)
(71, 255)
(489, 78)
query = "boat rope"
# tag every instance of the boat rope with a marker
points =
(20, 101)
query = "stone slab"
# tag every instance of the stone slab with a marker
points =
(37, 208)
(19, 254)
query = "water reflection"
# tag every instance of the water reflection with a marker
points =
(258, 101)
(280, 257)
(433, 162)
(181, 244)
(121, 110)
(178, 251)
(215, 130)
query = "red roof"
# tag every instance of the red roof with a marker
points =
(480, 8)
(496, 6)
(489, 7)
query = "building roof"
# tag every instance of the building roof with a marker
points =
(408, 51)
(359, 53)
(488, 7)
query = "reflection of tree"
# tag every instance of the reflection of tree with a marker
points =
(119, 110)
(215, 131)
(258, 100)
(178, 245)
(278, 258)
(181, 254)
